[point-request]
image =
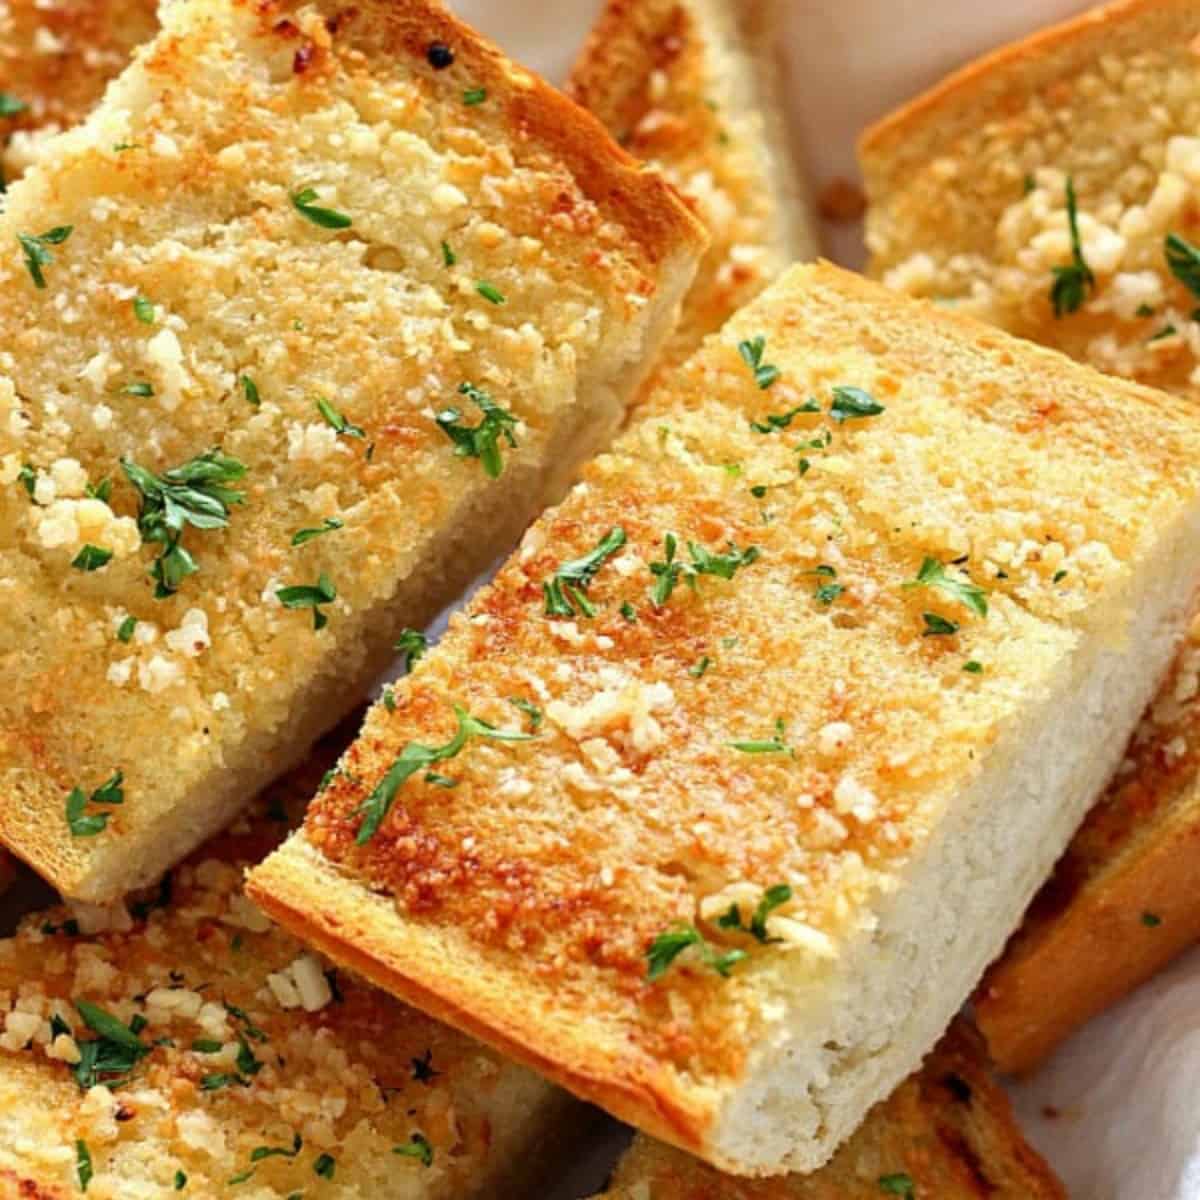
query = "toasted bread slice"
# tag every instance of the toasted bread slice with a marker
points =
(693, 86)
(1109, 101)
(946, 1133)
(56, 57)
(260, 1072)
(403, 298)
(752, 730)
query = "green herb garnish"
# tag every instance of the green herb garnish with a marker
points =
(91, 558)
(772, 898)
(480, 441)
(126, 628)
(138, 388)
(413, 644)
(110, 1057)
(933, 575)
(973, 667)
(417, 1147)
(566, 591)
(490, 292)
(937, 626)
(1151, 920)
(324, 1166)
(11, 106)
(898, 1185)
(671, 570)
(326, 218)
(777, 421)
(530, 709)
(339, 423)
(1184, 261)
(83, 1164)
(306, 595)
(775, 745)
(416, 757)
(250, 391)
(699, 668)
(667, 947)
(473, 96)
(84, 824)
(1072, 283)
(449, 258)
(852, 404)
(752, 350)
(307, 535)
(36, 254)
(143, 309)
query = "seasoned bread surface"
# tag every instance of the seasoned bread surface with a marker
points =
(693, 87)
(371, 309)
(56, 56)
(799, 719)
(249, 1043)
(968, 188)
(946, 1133)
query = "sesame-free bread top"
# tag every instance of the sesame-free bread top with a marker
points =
(968, 190)
(969, 204)
(56, 56)
(401, 298)
(881, 773)
(946, 1133)
(245, 1043)
(693, 86)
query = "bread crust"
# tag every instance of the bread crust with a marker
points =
(631, 244)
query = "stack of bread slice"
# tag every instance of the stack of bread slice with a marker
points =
(1050, 189)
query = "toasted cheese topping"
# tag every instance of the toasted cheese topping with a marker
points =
(654, 797)
(233, 317)
(56, 56)
(256, 1069)
(676, 84)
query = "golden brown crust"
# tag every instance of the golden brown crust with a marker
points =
(948, 1131)
(517, 891)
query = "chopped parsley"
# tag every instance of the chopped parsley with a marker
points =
(27, 477)
(37, 255)
(80, 822)
(206, 1046)
(250, 391)
(449, 258)
(530, 709)
(310, 595)
(219, 1080)
(262, 1152)
(194, 493)
(671, 570)
(1144, 310)
(125, 629)
(11, 106)
(416, 757)
(413, 644)
(306, 535)
(325, 1165)
(777, 421)
(628, 612)
(937, 626)
(180, 1181)
(973, 667)
(1059, 576)
(337, 422)
(326, 218)
(1072, 283)
(772, 898)
(1165, 332)
(91, 558)
(699, 668)
(933, 575)
(473, 96)
(143, 309)
(140, 388)
(775, 745)
(480, 441)
(83, 1164)
(417, 1147)
(1184, 261)
(827, 592)
(667, 947)
(1151, 920)
(565, 593)
(898, 1185)
(852, 404)
(490, 292)
(110, 1057)
(752, 351)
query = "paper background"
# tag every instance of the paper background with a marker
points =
(1125, 1090)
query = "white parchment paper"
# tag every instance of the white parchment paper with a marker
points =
(1127, 1088)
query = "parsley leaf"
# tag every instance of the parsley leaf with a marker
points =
(262, 1152)
(973, 667)
(775, 745)
(415, 757)
(567, 589)
(125, 629)
(11, 106)
(413, 644)
(668, 946)
(1151, 920)
(418, 1147)
(936, 626)
(337, 421)
(1072, 283)
(36, 254)
(91, 558)
(250, 391)
(305, 595)
(194, 493)
(852, 404)
(324, 1166)
(898, 1185)
(480, 441)
(79, 821)
(530, 709)
(180, 1181)
(772, 898)
(83, 1164)
(671, 570)
(491, 293)
(1184, 261)
(143, 309)
(777, 421)
(27, 477)
(138, 388)
(752, 350)
(699, 668)
(933, 575)
(473, 96)
(326, 218)
(111, 1056)
(307, 535)
(449, 258)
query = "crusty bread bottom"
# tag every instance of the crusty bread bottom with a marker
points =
(866, 1030)
(472, 540)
